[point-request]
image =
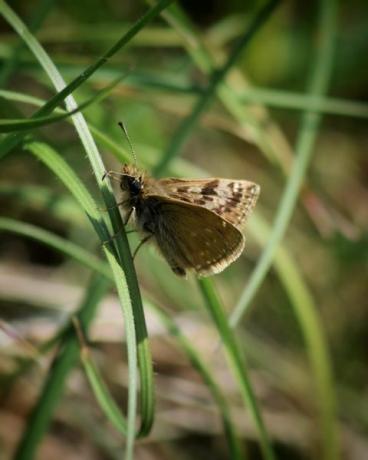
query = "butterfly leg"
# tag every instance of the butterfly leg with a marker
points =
(112, 237)
(141, 243)
(120, 203)
(129, 215)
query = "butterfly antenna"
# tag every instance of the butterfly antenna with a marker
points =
(122, 126)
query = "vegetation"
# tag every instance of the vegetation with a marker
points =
(265, 360)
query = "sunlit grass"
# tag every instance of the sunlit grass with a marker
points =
(238, 109)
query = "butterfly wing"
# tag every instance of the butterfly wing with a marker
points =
(191, 237)
(233, 200)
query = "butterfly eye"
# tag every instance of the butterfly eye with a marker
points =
(134, 185)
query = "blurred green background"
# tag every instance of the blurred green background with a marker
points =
(252, 137)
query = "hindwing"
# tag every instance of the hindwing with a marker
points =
(191, 237)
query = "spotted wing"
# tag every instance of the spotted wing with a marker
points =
(191, 237)
(233, 200)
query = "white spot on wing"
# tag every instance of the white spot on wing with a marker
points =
(194, 189)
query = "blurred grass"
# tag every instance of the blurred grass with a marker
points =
(236, 363)
(310, 123)
(15, 125)
(250, 122)
(216, 79)
(54, 386)
(171, 72)
(52, 390)
(126, 281)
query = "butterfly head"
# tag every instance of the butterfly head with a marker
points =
(131, 184)
(131, 181)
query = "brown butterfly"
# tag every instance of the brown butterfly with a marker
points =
(196, 223)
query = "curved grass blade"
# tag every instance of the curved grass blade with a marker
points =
(304, 102)
(307, 134)
(254, 125)
(145, 361)
(38, 16)
(71, 181)
(256, 227)
(102, 393)
(42, 198)
(68, 177)
(58, 243)
(306, 312)
(65, 90)
(321, 71)
(181, 168)
(236, 363)
(14, 125)
(134, 336)
(103, 396)
(50, 394)
(236, 451)
(100, 390)
(281, 99)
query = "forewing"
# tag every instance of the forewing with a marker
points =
(233, 200)
(191, 237)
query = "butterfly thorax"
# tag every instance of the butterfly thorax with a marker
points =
(137, 196)
(132, 186)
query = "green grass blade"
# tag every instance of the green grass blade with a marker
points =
(63, 171)
(65, 90)
(236, 362)
(297, 292)
(102, 393)
(319, 82)
(305, 102)
(71, 181)
(42, 198)
(38, 16)
(74, 251)
(186, 127)
(254, 125)
(66, 247)
(136, 332)
(13, 125)
(306, 312)
(50, 394)
(145, 361)
(308, 131)
(281, 99)
(235, 448)
(99, 388)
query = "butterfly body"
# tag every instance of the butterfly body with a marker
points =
(196, 224)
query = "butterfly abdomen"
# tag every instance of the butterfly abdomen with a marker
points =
(146, 210)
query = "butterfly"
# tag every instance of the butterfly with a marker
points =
(196, 223)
